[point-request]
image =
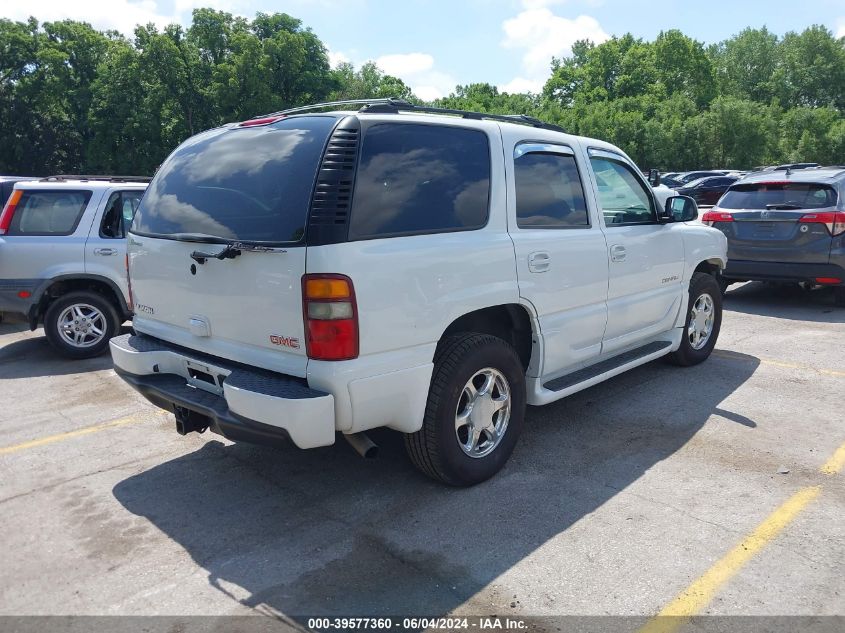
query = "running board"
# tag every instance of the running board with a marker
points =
(583, 375)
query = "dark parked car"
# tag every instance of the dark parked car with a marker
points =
(785, 227)
(707, 191)
(671, 180)
(688, 177)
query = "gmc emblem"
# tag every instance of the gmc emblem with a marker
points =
(285, 341)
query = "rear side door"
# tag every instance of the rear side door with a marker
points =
(646, 258)
(105, 249)
(562, 267)
(769, 223)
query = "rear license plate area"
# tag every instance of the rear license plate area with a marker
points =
(204, 377)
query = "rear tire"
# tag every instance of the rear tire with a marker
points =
(839, 296)
(703, 322)
(474, 413)
(80, 324)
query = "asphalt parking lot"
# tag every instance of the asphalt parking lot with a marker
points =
(716, 489)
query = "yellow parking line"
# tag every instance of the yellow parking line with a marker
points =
(698, 595)
(835, 463)
(777, 363)
(50, 439)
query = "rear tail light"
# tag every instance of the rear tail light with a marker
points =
(713, 216)
(829, 280)
(9, 211)
(833, 220)
(331, 317)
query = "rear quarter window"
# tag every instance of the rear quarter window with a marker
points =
(415, 179)
(48, 212)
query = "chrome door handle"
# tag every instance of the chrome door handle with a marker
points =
(618, 253)
(539, 262)
(105, 251)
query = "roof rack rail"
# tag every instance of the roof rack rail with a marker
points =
(392, 105)
(66, 177)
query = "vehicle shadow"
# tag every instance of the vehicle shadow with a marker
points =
(324, 532)
(33, 357)
(787, 301)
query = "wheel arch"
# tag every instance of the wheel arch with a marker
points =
(511, 322)
(54, 288)
(712, 266)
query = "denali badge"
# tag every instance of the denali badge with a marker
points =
(146, 309)
(284, 341)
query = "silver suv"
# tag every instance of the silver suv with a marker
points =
(63, 257)
(787, 227)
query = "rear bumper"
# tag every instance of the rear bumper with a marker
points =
(781, 271)
(243, 403)
(10, 299)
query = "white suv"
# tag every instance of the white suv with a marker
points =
(63, 257)
(310, 272)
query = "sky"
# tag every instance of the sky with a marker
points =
(434, 45)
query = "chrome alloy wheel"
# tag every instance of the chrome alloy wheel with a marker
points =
(82, 325)
(701, 321)
(483, 412)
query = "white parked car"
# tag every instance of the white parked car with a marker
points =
(311, 272)
(63, 254)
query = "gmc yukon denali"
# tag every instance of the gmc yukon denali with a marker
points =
(347, 266)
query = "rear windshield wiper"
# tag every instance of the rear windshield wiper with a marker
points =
(203, 238)
(234, 249)
(783, 207)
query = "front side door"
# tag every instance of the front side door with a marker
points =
(646, 258)
(560, 251)
(105, 249)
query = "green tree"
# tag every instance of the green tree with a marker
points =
(804, 135)
(368, 82)
(746, 64)
(296, 64)
(484, 97)
(812, 69)
(684, 67)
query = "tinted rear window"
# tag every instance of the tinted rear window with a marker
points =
(48, 212)
(420, 179)
(769, 195)
(247, 184)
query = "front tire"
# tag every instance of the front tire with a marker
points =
(80, 324)
(703, 323)
(474, 413)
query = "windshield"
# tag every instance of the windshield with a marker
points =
(793, 195)
(248, 184)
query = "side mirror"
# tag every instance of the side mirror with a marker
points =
(654, 177)
(679, 209)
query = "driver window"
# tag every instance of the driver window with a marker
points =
(623, 198)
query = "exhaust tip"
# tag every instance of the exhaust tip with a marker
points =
(362, 444)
